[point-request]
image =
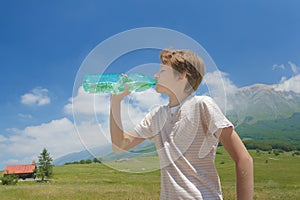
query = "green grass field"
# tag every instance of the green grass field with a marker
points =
(276, 177)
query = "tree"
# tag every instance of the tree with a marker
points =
(82, 161)
(88, 161)
(96, 160)
(44, 166)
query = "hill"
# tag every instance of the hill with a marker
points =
(83, 155)
(146, 148)
(97, 181)
(283, 130)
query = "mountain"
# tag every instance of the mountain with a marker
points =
(261, 102)
(84, 155)
(285, 130)
(146, 148)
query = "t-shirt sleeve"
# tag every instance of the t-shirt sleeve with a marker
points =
(148, 127)
(213, 117)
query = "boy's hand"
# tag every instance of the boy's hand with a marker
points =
(120, 96)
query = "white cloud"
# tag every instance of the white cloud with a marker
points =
(84, 103)
(276, 66)
(93, 134)
(288, 84)
(58, 136)
(2, 138)
(293, 67)
(37, 96)
(218, 82)
(148, 98)
(220, 87)
(25, 116)
(292, 84)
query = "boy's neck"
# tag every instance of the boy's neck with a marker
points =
(175, 100)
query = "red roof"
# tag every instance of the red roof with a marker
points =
(19, 169)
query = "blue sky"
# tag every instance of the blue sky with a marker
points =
(43, 43)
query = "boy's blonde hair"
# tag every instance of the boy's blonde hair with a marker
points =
(185, 61)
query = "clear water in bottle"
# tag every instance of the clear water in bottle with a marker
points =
(115, 83)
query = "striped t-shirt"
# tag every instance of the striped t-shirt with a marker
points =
(186, 144)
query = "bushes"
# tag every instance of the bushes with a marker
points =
(265, 145)
(277, 152)
(275, 147)
(88, 161)
(9, 179)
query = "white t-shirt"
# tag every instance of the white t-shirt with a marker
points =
(186, 144)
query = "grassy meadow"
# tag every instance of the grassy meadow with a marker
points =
(276, 177)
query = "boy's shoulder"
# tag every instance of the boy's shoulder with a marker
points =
(199, 102)
(195, 102)
(203, 99)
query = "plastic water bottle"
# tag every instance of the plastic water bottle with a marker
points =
(115, 83)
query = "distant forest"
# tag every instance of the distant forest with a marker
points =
(283, 134)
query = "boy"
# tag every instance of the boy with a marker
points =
(186, 133)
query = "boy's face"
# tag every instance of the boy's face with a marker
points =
(166, 79)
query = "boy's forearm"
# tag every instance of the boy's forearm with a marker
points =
(244, 179)
(116, 128)
(243, 163)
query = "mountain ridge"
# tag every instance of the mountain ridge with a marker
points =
(261, 102)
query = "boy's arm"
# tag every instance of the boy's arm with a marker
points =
(121, 141)
(243, 163)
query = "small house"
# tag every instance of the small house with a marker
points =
(22, 171)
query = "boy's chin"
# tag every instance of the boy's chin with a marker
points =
(161, 89)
